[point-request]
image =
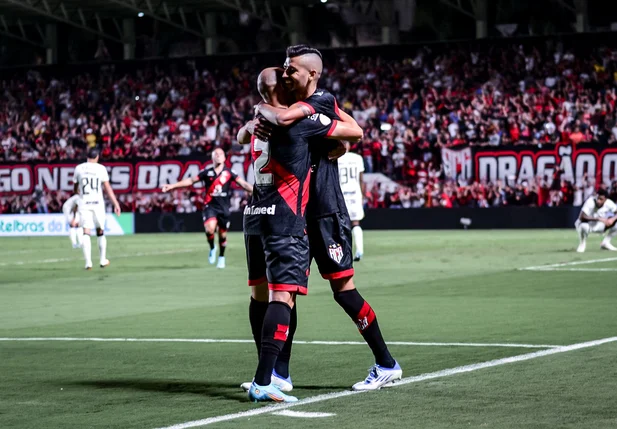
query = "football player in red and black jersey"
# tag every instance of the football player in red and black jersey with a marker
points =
(217, 180)
(277, 247)
(328, 223)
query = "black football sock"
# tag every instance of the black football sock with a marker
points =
(273, 337)
(364, 317)
(257, 313)
(222, 246)
(210, 240)
(282, 363)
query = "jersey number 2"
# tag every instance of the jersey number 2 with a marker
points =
(262, 176)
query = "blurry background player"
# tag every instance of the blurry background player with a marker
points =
(351, 176)
(91, 177)
(328, 223)
(277, 247)
(598, 215)
(217, 180)
(70, 209)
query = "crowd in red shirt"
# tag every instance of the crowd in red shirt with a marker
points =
(410, 107)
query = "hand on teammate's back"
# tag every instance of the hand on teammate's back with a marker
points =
(260, 128)
(337, 152)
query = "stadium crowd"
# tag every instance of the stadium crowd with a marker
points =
(410, 109)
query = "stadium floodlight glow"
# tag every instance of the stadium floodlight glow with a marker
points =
(137, 98)
(385, 126)
(324, 1)
(140, 14)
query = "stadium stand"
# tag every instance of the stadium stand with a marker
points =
(411, 107)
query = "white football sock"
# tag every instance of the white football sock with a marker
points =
(73, 236)
(583, 231)
(79, 235)
(102, 248)
(611, 233)
(87, 248)
(358, 237)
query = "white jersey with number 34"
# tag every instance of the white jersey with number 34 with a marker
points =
(90, 176)
(350, 166)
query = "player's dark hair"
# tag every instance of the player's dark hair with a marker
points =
(93, 153)
(602, 193)
(299, 50)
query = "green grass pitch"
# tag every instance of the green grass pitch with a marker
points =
(426, 287)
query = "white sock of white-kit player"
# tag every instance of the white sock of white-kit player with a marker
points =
(73, 236)
(79, 235)
(358, 238)
(611, 233)
(102, 248)
(87, 248)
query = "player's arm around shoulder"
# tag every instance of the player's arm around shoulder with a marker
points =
(346, 131)
(285, 117)
(258, 127)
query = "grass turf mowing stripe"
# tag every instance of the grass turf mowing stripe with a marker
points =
(316, 342)
(56, 260)
(407, 380)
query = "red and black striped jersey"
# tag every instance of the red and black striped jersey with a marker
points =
(218, 187)
(282, 177)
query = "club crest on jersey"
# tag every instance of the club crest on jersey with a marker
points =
(336, 252)
(224, 177)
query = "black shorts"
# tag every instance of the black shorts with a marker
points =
(281, 260)
(221, 216)
(330, 242)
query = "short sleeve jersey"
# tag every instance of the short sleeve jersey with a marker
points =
(218, 187)
(282, 178)
(90, 177)
(326, 196)
(590, 209)
(350, 166)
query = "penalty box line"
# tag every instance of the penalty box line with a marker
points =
(564, 266)
(408, 380)
(242, 341)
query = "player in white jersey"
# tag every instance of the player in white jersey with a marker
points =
(71, 213)
(599, 215)
(91, 177)
(351, 176)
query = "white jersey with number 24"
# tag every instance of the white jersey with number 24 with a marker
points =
(90, 176)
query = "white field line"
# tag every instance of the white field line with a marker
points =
(302, 414)
(566, 264)
(241, 341)
(585, 270)
(407, 380)
(127, 255)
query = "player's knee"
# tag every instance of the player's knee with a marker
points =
(584, 226)
(288, 298)
(260, 292)
(342, 285)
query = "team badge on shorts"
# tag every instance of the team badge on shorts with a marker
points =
(336, 252)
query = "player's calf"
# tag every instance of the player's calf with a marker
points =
(102, 243)
(583, 229)
(611, 232)
(86, 247)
